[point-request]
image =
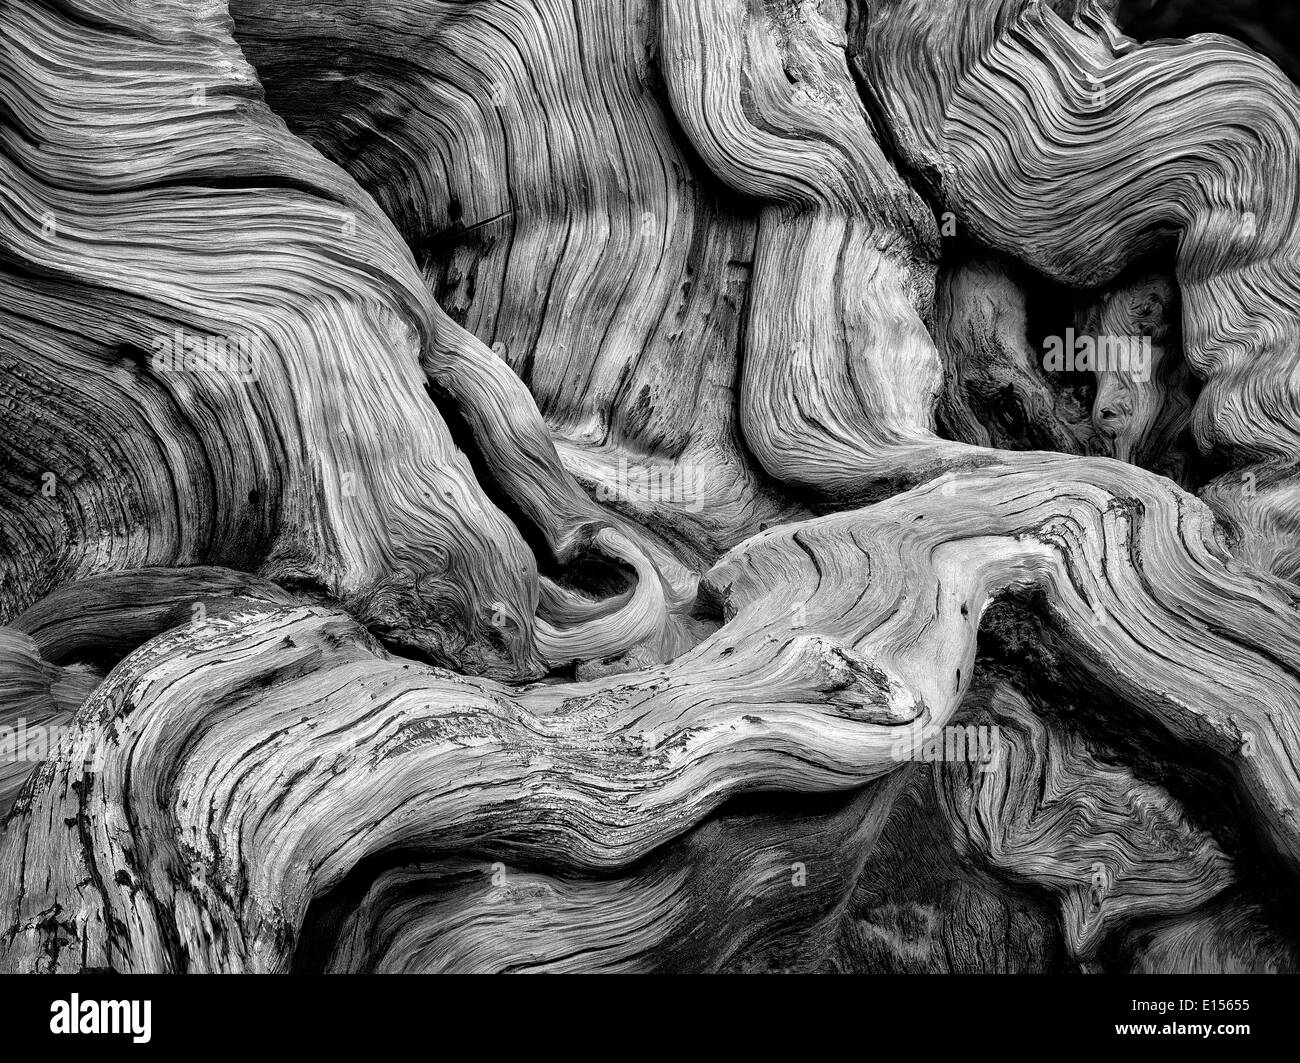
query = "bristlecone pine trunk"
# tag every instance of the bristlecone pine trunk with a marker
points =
(649, 485)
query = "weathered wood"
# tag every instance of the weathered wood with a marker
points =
(1076, 150)
(296, 748)
(615, 459)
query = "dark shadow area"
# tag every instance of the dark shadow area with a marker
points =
(1271, 27)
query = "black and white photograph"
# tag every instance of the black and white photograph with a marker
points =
(806, 488)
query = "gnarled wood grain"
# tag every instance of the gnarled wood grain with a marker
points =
(531, 486)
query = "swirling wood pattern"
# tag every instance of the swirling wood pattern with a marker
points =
(536, 486)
